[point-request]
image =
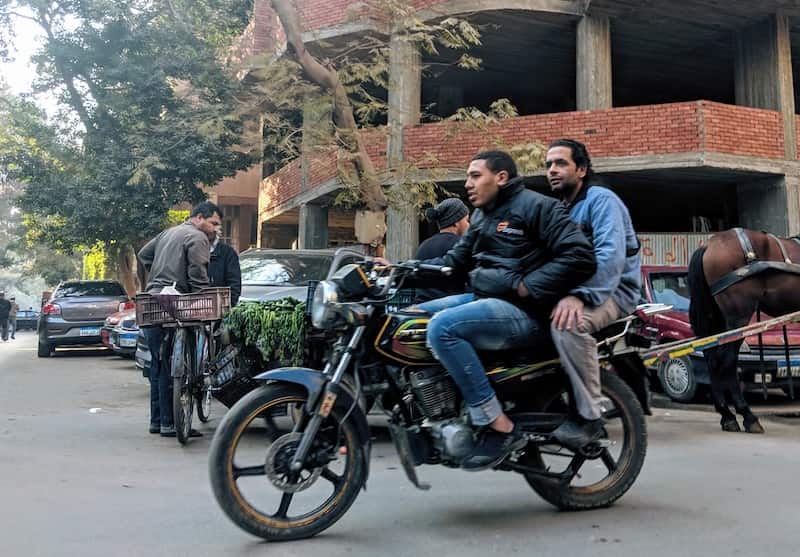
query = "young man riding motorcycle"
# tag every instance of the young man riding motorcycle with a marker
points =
(523, 253)
(610, 294)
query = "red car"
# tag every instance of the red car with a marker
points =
(681, 377)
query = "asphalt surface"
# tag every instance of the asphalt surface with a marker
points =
(79, 475)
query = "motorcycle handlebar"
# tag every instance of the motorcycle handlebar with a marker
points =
(435, 268)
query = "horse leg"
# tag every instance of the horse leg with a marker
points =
(717, 360)
(749, 420)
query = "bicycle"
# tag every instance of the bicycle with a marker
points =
(191, 346)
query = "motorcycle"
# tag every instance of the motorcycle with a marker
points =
(314, 458)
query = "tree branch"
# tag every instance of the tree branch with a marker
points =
(370, 187)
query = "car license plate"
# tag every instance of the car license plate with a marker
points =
(783, 368)
(90, 331)
(127, 342)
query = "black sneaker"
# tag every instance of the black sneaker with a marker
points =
(574, 435)
(168, 431)
(492, 448)
(155, 428)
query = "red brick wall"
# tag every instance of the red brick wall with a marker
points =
(319, 14)
(739, 130)
(639, 130)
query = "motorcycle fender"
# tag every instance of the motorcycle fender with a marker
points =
(314, 382)
(630, 368)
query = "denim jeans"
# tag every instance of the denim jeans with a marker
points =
(160, 380)
(460, 326)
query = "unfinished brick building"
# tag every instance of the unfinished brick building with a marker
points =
(687, 107)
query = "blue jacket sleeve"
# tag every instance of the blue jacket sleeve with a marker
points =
(608, 226)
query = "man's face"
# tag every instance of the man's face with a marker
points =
(563, 174)
(211, 226)
(482, 184)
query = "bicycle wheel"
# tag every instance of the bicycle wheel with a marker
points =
(183, 359)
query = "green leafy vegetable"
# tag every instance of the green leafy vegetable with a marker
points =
(277, 328)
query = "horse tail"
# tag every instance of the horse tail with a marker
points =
(704, 313)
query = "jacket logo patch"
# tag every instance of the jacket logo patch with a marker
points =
(503, 228)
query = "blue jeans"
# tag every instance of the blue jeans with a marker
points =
(160, 380)
(460, 326)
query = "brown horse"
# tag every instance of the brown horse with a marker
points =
(749, 283)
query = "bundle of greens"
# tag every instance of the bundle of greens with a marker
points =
(277, 328)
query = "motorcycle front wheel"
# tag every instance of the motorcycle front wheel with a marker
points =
(250, 474)
(605, 472)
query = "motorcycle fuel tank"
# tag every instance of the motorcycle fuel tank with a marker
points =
(402, 338)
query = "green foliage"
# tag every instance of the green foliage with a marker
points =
(94, 262)
(278, 328)
(144, 118)
(176, 216)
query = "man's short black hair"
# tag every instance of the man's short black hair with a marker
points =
(206, 209)
(497, 160)
(579, 154)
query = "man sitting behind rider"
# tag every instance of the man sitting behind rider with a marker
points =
(523, 253)
(610, 294)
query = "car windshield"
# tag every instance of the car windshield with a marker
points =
(292, 269)
(78, 289)
(671, 289)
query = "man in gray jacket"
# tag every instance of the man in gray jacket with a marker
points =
(178, 256)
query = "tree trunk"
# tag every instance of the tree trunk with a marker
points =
(125, 264)
(328, 78)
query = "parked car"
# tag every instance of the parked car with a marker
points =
(123, 336)
(681, 377)
(141, 356)
(272, 274)
(76, 311)
(27, 319)
(110, 322)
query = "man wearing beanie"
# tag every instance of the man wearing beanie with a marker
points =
(452, 218)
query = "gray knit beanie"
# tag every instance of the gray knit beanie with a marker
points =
(447, 213)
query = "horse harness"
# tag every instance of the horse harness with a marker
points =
(753, 265)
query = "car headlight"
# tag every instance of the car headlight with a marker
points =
(323, 310)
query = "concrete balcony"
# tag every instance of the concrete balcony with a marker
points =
(676, 135)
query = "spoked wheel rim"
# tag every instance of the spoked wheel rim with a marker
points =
(600, 465)
(676, 376)
(252, 478)
(204, 405)
(183, 407)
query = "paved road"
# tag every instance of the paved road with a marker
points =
(79, 475)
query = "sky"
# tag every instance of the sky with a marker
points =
(20, 73)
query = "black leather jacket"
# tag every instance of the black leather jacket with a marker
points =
(523, 236)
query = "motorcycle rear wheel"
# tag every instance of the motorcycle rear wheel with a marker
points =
(622, 471)
(245, 505)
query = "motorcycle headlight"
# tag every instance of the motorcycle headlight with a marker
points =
(323, 310)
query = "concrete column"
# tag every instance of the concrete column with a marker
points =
(593, 64)
(763, 204)
(763, 73)
(405, 91)
(313, 227)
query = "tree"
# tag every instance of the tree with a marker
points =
(145, 117)
(352, 80)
